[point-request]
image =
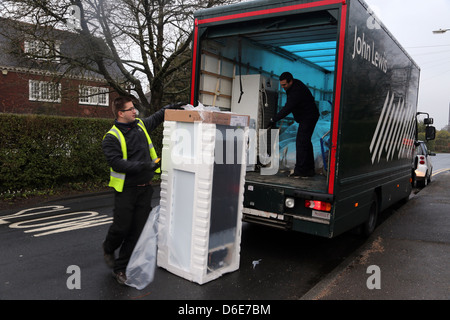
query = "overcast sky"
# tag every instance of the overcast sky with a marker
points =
(412, 22)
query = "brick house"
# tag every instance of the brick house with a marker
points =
(35, 80)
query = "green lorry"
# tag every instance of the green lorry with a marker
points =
(365, 86)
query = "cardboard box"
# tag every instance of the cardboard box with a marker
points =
(222, 118)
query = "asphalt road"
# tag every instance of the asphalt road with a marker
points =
(43, 248)
(440, 162)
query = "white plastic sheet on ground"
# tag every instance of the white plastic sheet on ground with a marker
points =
(141, 267)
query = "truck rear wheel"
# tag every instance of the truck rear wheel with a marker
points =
(369, 226)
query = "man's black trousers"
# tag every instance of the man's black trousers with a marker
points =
(132, 207)
(304, 148)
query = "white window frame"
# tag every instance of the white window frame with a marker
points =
(91, 95)
(44, 91)
(41, 50)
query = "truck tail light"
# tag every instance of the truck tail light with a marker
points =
(422, 160)
(318, 205)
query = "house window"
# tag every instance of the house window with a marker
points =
(40, 50)
(44, 91)
(97, 96)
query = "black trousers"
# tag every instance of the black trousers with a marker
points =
(304, 149)
(132, 207)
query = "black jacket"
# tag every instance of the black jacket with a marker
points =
(300, 102)
(137, 166)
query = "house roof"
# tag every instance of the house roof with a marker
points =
(73, 46)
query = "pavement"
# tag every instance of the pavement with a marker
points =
(406, 258)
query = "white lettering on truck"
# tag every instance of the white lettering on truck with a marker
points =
(365, 49)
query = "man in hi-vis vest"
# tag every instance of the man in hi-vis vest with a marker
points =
(133, 160)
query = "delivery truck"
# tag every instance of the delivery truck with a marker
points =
(366, 89)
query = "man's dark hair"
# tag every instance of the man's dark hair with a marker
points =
(119, 103)
(286, 76)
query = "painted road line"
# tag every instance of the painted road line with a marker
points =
(440, 171)
(42, 224)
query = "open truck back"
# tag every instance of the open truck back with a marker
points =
(365, 86)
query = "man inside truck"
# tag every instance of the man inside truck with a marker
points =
(300, 102)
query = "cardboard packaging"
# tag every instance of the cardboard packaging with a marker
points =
(220, 118)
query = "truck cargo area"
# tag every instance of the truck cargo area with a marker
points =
(239, 72)
(365, 86)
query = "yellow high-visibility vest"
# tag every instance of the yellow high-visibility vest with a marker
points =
(117, 179)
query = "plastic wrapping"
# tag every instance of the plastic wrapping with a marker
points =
(200, 108)
(141, 267)
(202, 186)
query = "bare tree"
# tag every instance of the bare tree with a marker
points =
(147, 40)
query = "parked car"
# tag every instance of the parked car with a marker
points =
(423, 168)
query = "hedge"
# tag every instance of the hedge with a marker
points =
(41, 152)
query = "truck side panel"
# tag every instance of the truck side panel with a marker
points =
(379, 102)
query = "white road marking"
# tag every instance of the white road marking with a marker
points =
(52, 224)
(440, 171)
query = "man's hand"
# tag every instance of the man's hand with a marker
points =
(154, 165)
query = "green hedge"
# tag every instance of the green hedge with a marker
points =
(41, 152)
